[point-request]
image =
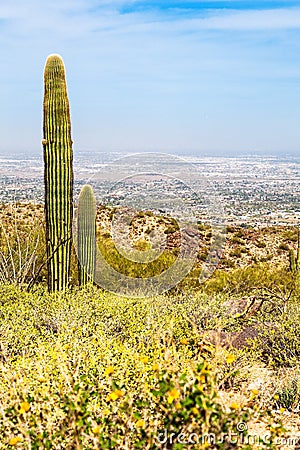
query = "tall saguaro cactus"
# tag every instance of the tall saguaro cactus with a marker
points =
(86, 239)
(58, 173)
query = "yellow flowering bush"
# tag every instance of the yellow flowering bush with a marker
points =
(90, 370)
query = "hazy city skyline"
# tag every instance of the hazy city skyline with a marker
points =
(205, 77)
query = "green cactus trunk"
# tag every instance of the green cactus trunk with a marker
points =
(295, 260)
(298, 251)
(86, 239)
(58, 174)
(292, 260)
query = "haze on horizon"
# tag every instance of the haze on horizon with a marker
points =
(202, 77)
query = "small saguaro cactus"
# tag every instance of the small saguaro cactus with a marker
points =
(295, 260)
(86, 235)
(292, 261)
(58, 173)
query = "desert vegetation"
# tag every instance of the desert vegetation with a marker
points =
(203, 365)
(85, 368)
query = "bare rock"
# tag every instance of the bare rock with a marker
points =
(233, 339)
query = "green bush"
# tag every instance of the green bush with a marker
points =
(284, 246)
(249, 279)
(93, 370)
(279, 345)
(22, 248)
(236, 253)
(260, 244)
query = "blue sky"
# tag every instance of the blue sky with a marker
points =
(206, 77)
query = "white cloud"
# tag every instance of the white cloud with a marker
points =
(76, 17)
(254, 20)
(270, 19)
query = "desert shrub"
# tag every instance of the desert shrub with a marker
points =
(227, 262)
(93, 370)
(290, 235)
(284, 246)
(132, 268)
(279, 345)
(230, 229)
(106, 235)
(22, 247)
(260, 244)
(268, 257)
(171, 229)
(203, 255)
(287, 396)
(202, 227)
(236, 240)
(245, 280)
(236, 253)
(239, 233)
